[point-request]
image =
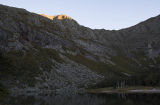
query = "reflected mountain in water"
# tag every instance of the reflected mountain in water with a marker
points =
(87, 99)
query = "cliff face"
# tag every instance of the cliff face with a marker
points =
(58, 54)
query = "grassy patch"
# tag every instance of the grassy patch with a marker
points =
(98, 67)
(124, 64)
(25, 66)
(45, 56)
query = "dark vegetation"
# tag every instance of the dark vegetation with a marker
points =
(125, 73)
(25, 66)
(147, 74)
(3, 92)
(3, 66)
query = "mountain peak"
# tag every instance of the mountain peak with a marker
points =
(47, 16)
(60, 17)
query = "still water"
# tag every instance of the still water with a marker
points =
(85, 99)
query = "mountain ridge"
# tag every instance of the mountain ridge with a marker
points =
(60, 17)
(38, 53)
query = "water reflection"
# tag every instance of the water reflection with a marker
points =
(87, 99)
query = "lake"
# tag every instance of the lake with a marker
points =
(85, 99)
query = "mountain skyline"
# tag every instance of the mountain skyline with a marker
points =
(110, 14)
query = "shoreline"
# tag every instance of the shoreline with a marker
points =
(124, 90)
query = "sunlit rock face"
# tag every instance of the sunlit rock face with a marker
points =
(50, 17)
(60, 17)
(40, 52)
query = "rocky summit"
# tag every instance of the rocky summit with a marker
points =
(54, 53)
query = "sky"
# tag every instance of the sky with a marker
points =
(96, 14)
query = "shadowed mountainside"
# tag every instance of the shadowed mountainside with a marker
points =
(58, 54)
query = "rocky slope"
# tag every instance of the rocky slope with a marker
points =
(40, 52)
